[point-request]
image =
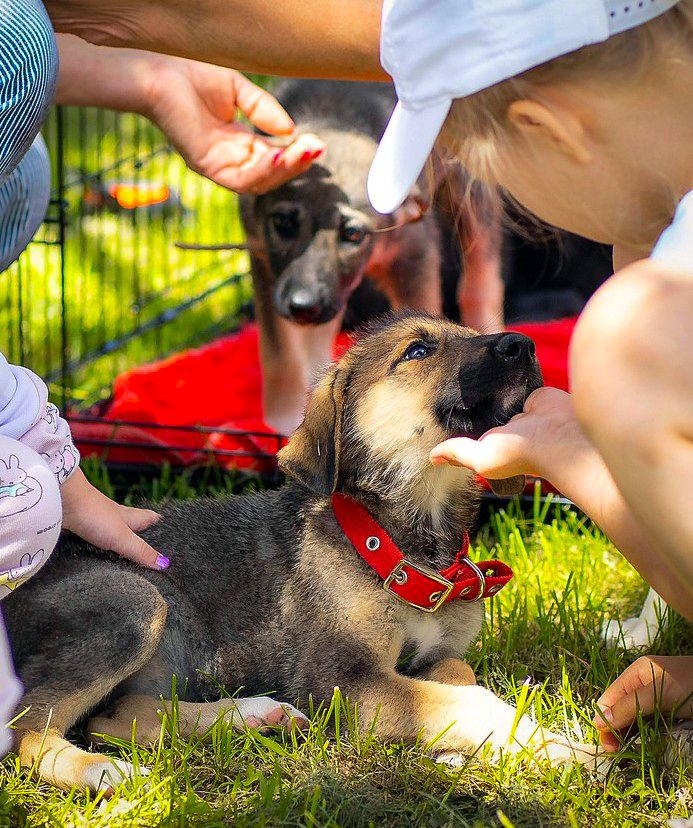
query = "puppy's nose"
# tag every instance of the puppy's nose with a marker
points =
(513, 346)
(304, 305)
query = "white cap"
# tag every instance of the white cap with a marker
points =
(439, 50)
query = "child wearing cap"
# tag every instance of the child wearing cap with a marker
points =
(585, 118)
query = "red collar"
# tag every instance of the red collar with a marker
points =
(416, 585)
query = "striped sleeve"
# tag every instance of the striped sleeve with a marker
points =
(28, 74)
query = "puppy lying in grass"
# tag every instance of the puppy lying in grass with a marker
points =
(325, 582)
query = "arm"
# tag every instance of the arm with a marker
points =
(195, 105)
(546, 440)
(322, 38)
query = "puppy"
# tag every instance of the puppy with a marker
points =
(318, 250)
(326, 582)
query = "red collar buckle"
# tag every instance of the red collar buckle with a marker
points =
(416, 585)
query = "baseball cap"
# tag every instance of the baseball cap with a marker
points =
(439, 50)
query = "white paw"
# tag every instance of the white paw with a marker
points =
(560, 750)
(261, 712)
(106, 774)
(630, 634)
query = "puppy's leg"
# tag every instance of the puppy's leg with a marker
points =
(145, 712)
(448, 671)
(460, 718)
(80, 650)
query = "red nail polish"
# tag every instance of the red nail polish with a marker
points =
(306, 155)
(317, 152)
(277, 156)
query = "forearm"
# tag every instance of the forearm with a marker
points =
(319, 38)
(100, 76)
(586, 481)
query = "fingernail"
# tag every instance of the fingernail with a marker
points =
(317, 152)
(604, 715)
(162, 562)
(306, 155)
(276, 157)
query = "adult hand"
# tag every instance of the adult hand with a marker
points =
(97, 519)
(545, 431)
(662, 681)
(196, 105)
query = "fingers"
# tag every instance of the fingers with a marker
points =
(497, 454)
(638, 688)
(262, 109)
(266, 167)
(129, 545)
(138, 519)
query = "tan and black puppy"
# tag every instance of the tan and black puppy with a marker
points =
(266, 592)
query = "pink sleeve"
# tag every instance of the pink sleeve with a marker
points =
(27, 416)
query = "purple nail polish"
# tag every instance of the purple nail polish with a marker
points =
(162, 562)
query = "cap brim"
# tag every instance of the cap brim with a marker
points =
(406, 144)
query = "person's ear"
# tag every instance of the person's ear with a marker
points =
(554, 127)
(312, 454)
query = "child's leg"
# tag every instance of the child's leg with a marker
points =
(30, 519)
(30, 513)
(632, 379)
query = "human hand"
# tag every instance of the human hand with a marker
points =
(97, 519)
(545, 431)
(662, 681)
(196, 105)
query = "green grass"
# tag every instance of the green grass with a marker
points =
(544, 625)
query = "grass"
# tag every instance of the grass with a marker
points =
(539, 649)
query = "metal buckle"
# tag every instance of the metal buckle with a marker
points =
(481, 578)
(440, 595)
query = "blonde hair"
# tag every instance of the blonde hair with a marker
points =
(477, 125)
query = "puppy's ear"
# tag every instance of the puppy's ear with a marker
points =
(509, 486)
(313, 451)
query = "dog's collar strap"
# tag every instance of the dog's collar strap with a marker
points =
(417, 585)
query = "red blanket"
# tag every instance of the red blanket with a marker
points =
(205, 403)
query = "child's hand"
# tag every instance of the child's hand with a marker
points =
(662, 681)
(542, 434)
(97, 519)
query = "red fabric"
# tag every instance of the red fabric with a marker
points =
(218, 387)
(466, 581)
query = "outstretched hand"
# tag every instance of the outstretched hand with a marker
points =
(97, 519)
(196, 105)
(545, 429)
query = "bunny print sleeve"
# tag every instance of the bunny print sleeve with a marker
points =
(27, 416)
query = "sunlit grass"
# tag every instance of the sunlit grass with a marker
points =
(540, 649)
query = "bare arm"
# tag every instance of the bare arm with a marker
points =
(195, 105)
(323, 38)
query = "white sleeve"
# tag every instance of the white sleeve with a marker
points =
(675, 245)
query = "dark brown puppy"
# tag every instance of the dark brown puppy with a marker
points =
(319, 251)
(265, 591)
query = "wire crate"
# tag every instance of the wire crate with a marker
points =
(105, 287)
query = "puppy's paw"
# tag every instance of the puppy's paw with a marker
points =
(104, 774)
(264, 714)
(559, 750)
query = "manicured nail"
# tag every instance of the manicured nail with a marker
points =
(317, 153)
(162, 562)
(276, 157)
(306, 155)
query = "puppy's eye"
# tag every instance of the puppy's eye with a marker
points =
(285, 224)
(419, 350)
(352, 233)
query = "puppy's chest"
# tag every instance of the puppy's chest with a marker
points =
(429, 637)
